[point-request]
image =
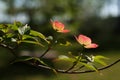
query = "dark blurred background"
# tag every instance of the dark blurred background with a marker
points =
(99, 19)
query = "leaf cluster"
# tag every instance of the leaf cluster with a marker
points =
(12, 35)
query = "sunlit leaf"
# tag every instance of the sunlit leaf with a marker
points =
(63, 62)
(38, 34)
(64, 57)
(12, 26)
(66, 44)
(99, 59)
(23, 58)
(10, 35)
(32, 42)
(17, 24)
(24, 37)
(90, 66)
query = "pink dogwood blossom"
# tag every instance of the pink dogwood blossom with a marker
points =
(59, 27)
(86, 41)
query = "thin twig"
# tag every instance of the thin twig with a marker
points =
(79, 68)
(45, 52)
(74, 64)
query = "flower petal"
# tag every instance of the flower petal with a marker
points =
(93, 45)
(65, 31)
(84, 40)
(57, 25)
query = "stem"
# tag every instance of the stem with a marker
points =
(74, 64)
(45, 52)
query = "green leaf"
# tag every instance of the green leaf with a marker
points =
(38, 34)
(32, 42)
(3, 26)
(12, 26)
(39, 60)
(24, 29)
(90, 66)
(24, 37)
(99, 59)
(17, 24)
(9, 33)
(63, 62)
(23, 58)
(26, 58)
(42, 62)
(66, 44)
(66, 58)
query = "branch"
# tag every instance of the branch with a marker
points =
(9, 48)
(79, 68)
(79, 72)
